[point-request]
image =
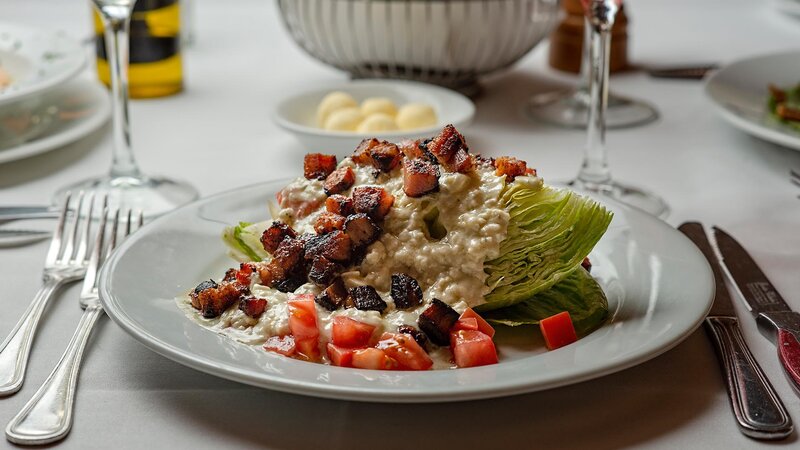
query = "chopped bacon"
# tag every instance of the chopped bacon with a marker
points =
(213, 299)
(382, 155)
(253, 306)
(437, 321)
(411, 149)
(286, 272)
(317, 166)
(418, 336)
(334, 246)
(405, 292)
(339, 204)
(230, 274)
(361, 153)
(372, 201)
(366, 298)
(361, 229)
(419, 177)
(333, 297)
(339, 181)
(586, 264)
(787, 112)
(511, 167)
(323, 271)
(777, 93)
(275, 234)
(450, 149)
(328, 222)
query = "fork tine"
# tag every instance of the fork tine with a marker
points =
(55, 243)
(129, 223)
(72, 234)
(795, 177)
(97, 252)
(83, 244)
(113, 241)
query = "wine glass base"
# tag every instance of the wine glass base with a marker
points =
(629, 195)
(570, 109)
(153, 196)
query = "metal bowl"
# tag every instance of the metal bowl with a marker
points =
(450, 43)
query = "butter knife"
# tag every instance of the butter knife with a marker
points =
(759, 411)
(13, 238)
(774, 316)
(28, 212)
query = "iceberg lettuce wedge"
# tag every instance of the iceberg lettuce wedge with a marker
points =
(244, 241)
(549, 233)
(578, 293)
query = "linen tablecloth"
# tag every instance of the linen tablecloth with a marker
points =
(218, 134)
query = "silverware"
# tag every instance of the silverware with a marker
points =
(759, 411)
(774, 317)
(47, 417)
(28, 212)
(794, 176)
(66, 262)
(697, 72)
(12, 238)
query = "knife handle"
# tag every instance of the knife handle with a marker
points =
(789, 355)
(758, 409)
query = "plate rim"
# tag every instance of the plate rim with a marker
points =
(232, 372)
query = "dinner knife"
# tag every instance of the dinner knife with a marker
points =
(13, 238)
(774, 317)
(759, 411)
(28, 212)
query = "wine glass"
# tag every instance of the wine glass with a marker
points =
(125, 185)
(570, 108)
(594, 175)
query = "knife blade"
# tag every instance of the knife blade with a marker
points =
(8, 213)
(774, 316)
(13, 238)
(758, 410)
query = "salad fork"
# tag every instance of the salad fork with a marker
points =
(66, 262)
(47, 417)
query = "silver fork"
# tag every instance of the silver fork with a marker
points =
(794, 176)
(47, 417)
(66, 262)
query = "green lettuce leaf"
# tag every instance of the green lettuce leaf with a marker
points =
(579, 294)
(549, 233)
(244, 240)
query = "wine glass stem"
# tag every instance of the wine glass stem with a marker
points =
(116, 27)
(595, 169)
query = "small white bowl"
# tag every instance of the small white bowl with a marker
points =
(297, 113)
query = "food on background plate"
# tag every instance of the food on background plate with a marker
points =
(339, 111)
(5, 79)
(784, 105)
(401, 255)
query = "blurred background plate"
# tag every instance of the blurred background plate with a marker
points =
(36, 60)
(59, 117)
(739, 93)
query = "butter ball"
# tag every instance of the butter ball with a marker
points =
(345, 119)
(377, 122)
(375, 105)
(416, 115)
(332, 102)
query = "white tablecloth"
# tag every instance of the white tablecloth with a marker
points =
(218, 134)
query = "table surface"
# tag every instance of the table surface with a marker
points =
(220, 128)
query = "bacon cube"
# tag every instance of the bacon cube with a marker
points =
(451, 150)
(333, 297)
(419, 177)
(437, 321)
(411, 149)
(323, 271)
(511, 167)
(405, 292)
(361, 229)
(334, 246)
(339, 204)
(275, 234)
(586, 264)
(213, 299)
(253, 306)
(286, 271)
(339, 181)
(328, 222)
(317, 166)
(372, 201)
(366, 298)
(382, 155)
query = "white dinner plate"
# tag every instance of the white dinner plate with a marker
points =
(63, 114)
(739, 93)
(658, 284)
(36, 60)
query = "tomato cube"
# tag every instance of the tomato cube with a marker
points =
(472, 348)
(405, 350)
(373, 358)
(466, 323)
(303, 317)
(483, 326)
(281, 344)
(558, 330)
(350, 333)
(342, 357)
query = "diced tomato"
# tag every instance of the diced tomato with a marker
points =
(308, 348)
(303, 317)
(472, 348)
(483, 326)
(350, 333)
(405, 350)
(558, 330)
(466, 323)
(281, 344)
(342, 357)
(373, 358)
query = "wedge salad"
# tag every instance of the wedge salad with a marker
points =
(402, 256)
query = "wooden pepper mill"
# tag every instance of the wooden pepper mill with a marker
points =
(566, 42)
